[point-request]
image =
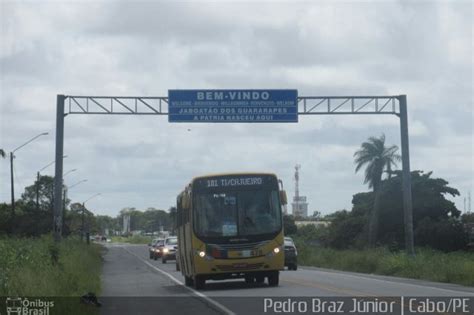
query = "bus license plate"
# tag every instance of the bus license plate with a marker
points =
(247, 253)
(240, 266)
(241, 253)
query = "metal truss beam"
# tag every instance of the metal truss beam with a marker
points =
(307, 105)
(117, 105)
(348, 105)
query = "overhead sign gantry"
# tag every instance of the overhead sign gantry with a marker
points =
(236, 106)
(221, 106)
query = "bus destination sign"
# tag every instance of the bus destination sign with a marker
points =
(243, 181)
(233, 106)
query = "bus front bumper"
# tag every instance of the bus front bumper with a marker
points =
(230, 268)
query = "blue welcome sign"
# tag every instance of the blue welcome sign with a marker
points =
(233, 106)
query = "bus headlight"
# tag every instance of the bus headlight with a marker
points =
(202, 254)
(274, 252)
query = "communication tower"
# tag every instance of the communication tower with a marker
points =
(299, 204)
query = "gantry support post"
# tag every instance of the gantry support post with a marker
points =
(58, 177)
(406, 177)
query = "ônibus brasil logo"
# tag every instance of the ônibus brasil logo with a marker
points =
(26, 306)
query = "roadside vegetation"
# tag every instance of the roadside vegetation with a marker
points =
(370, 237)
(37, 267)
(428, 264)
(32, 265)
(135, 239)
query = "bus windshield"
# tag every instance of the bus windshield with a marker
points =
(237, 213)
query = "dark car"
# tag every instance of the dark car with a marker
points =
(291, 254)
(154, 247)
(169, 249)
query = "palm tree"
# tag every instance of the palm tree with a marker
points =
(377, 158)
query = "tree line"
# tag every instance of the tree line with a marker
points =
(33, 215)
(376, 217)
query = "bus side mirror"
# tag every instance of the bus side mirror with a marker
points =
(283, 199)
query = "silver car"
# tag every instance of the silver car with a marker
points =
(169, 248)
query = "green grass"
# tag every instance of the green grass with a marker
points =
(428, 264)
(135, 239)
(28, 269)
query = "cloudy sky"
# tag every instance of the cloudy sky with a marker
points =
(422, 49)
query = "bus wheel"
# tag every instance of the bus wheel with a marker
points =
(274, 279)
(199, 282)
(259, 279)
(249, 279)
(188, 281)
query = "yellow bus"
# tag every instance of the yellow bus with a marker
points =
(231, 226)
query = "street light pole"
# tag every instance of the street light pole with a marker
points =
(68, 172)
(83, 210)
(65, 197)
(12, 156)
(38, 178)
(13, 186)
(65, 190)
(81, 181)
(82, 223)
(37, 190)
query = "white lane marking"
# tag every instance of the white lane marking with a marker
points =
(344, 274)
(205, 297)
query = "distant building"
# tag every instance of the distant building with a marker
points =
(126, 224)
(315, 223)
(300, 206)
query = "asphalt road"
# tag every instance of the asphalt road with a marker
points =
(134, 284)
